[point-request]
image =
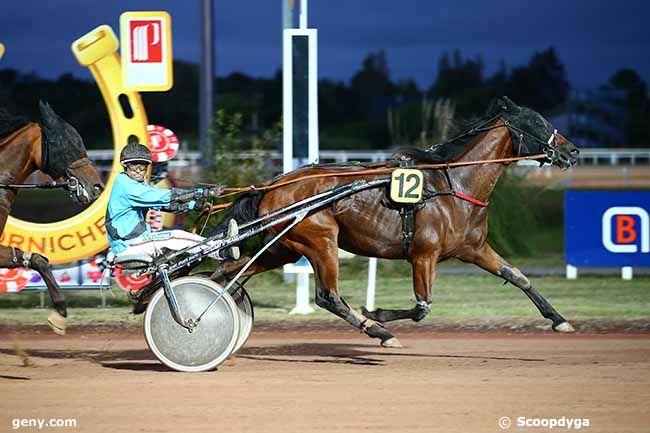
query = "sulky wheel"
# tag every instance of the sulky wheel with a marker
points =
(246, 315)
(211, 342)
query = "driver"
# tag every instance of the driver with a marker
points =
(131, 198)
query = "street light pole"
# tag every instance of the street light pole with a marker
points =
(206, 82)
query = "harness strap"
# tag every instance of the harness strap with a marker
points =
(27, 259)
(456, 194)
(79, 163)
(14, 258)
(407, 213)
(470, 199)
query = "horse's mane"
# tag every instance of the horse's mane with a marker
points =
(10, 122)
(455, 147)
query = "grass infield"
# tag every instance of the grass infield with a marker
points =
(455, 297)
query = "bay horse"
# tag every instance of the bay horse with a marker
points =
(56, 148)
(445, 225)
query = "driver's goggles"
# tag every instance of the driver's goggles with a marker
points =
(138, 167)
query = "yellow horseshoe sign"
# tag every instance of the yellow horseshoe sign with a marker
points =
(83, 235)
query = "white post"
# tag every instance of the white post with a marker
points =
(311, 66)
(372, 278)
(626, 272)
(287, 102)
(314, 145)
(303, 14)
(287, 96)
(302, 295)
(571, 272)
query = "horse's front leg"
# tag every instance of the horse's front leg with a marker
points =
(486, 258)
(424, 274)
(14, 258)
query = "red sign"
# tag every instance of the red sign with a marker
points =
(130, 283)
(14, 280)
(162, 142)
(146, 41)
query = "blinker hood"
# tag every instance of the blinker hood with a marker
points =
(61, 144)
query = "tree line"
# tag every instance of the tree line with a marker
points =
(371, 111)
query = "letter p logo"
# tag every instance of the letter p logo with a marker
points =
(626, 230)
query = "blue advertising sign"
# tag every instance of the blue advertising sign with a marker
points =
(607, 228)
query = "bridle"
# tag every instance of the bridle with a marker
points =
(75, 187)
(550, 147)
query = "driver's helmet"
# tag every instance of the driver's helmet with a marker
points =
(135, 153)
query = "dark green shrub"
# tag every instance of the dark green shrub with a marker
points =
(513, 216)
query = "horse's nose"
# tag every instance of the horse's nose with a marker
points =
(574, 153)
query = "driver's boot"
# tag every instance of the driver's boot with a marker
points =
(230, 253)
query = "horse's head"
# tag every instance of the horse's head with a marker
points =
(532, 134)
(64, 156)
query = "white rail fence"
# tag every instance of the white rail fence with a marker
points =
(605, 157)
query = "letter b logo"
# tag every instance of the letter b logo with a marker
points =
(626, 229)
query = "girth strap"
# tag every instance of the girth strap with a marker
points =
(407, 213)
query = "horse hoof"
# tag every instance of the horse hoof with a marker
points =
(391, 342)
(564, 327)
(140, 307)
(57, 323)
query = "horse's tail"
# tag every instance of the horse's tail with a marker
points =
(243, 210)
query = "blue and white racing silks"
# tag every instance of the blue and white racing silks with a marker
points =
(127, 207)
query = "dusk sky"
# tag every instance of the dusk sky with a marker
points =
(593, 38)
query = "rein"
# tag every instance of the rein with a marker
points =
(381, 171)
(49, 185)
(548, 146)
(72, 183)
(374, 171)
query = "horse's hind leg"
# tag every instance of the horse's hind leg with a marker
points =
(424, 273)
(488, 259)
(327, 297)
(14, 258)
(324, 259)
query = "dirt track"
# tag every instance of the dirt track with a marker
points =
(331, 382)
